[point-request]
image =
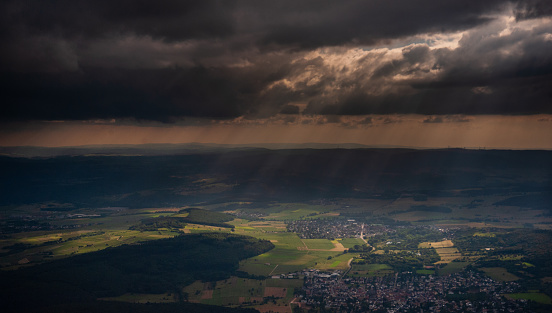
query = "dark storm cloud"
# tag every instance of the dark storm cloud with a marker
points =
(85, 59)
(532, 9)
(307, 22)
(116, 93)
(488, 73)
(60, 28)
(289, 109)
(171, 19)
(320, 23)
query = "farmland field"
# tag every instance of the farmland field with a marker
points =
(534, 296)
(318, 244)
(499, 273)
(445, 249)
(369, 270)
(448, 254)
(243, 291)
(370, 267)
(45, 247)
(340, 262)
(453, 267)
(436, 245)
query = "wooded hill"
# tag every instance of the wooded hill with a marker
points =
(159, 266)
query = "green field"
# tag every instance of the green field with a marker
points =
(285, 255)
(319, 244)
(340, 262)
(425, 272)
(370, 267)
(369, 270)
(295, 211)
(499, 273)
(452, 267)
(534, 296)
(44, 246)
(291, 254)
(248, 292)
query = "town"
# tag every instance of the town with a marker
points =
(335, 228)
(467, 291)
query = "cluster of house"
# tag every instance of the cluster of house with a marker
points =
(407, 292)
(333, 228)
(286, 276)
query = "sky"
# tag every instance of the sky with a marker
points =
(428, 73)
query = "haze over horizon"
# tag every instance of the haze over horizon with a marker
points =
(422, 74)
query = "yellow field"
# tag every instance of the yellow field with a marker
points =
(445, 249)
(448, 254)
(436, 245)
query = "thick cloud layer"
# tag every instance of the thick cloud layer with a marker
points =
(230, 58)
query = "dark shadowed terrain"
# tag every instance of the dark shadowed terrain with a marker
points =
(261, 175)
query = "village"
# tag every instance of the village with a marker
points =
(335, 228)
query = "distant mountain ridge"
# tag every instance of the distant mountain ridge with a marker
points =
(159, 149)
(155, 149)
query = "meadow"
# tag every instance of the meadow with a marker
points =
(370, 270)
(534, 296)
(499, 273)
(237, 291)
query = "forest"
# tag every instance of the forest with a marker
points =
(159, 266)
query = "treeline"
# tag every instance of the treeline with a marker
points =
(403, 260)
(125, 307)
(406, 238)
(154, 223)
(359, 248)
(530, 241)
(194, 216)
(205, 217)
(159, 266)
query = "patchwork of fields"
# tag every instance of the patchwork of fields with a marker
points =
(242, 291)
(445, 249)
(290, 254)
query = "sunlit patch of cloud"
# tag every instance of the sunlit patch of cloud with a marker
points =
(482, 90)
